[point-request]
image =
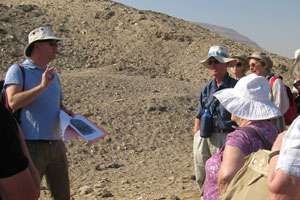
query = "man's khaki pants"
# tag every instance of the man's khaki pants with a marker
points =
(203, 149)
(50, 159)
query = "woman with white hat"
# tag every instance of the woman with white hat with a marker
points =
(249, 104)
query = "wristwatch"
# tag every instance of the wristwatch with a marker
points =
(272, 154)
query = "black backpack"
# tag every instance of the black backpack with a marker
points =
(3, 97)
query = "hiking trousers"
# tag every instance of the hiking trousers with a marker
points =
(49, 158)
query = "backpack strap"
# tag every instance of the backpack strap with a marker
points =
(16, 113)
(23, 75)
(272, 80)
(255, 133)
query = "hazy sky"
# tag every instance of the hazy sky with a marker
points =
(272, 24)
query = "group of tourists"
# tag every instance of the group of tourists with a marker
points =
(247, 114)
(32, 146)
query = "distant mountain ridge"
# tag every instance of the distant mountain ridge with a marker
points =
(229, 33)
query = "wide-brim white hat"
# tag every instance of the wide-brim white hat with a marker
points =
(296, 54)
(249, 99)
(219, 53)
(41, 33)
(295, 72)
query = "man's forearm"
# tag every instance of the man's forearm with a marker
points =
(18, 99)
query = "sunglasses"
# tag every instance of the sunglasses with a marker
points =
(52, 43)
(213, 62)
(253, 64)
(239, 64)
(297, 84)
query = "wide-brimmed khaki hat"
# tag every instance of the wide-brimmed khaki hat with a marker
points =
(220, 53)
(249, 99)
(261, 56)
(41, 33)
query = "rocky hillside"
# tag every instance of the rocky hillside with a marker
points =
(134, 73)
(104, 33)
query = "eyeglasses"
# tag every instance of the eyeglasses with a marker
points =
(210, 62)
(239, 64)
(297, 84)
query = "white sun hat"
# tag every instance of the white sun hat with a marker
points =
(249, 99)
(220, 53)
(295, 72)
(41, 33)
(297, 53)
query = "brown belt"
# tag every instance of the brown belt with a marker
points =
(215, 130)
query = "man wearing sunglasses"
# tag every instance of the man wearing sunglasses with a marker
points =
(206, 145)
(41, 101)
